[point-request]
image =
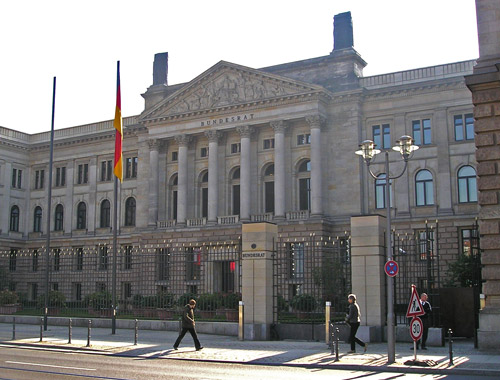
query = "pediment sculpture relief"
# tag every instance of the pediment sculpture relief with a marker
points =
(229, 88)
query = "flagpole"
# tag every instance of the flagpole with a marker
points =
(118, 171)
(49, 205)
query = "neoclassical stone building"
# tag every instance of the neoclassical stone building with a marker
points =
(238, 144)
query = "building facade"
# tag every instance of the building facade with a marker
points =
(237, 145)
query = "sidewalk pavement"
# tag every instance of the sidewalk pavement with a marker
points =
(228, 349)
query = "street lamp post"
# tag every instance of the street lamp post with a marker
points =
(367, 150)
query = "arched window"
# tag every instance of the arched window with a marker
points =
(235, 192)
(467, 185)
(204, 194)
(130, 212)
(173, 195)
(37, 219)
(14, 219)
(380, 183)
(304, 177)
(269, 188)
(105, 214)
(59, 218)
(424, 188)
(81, 216)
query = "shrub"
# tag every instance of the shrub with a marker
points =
(56, 299)
(99, 300)
(165, 300)
(282, 303)
(183, 300)
(8, 297)
(303, 302)
(209, 302)
(231, 300)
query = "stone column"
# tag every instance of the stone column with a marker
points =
(368, 281)
(213, 174)
(279, 168)
(153, 181)
(183, 141)
(316, 122)
(245, 133)
(484, 84)
(257, 278)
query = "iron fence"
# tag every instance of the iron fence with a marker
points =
(153, 281)
(308, 272)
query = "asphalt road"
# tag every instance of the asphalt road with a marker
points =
(42, 364)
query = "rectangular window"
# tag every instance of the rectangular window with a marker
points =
(425, 244)
(304, 139)
(100, 286)
(236, 199)
(174, 156)
(106, 170)
(54, 286)
(34, 262)
(304, 194)
(464, 127)
(57, 259)
(228, 268)
(204, 202)
(61, 176)
(235, 148)
(296, 260)
(386, 132)
(103, 257)
(33, 291)
(269, 196)
(268, 143)
(83, 174)
(76, 291)
(131, 167)
(13, 260)
(470, 241)
(39, 179)
(79, 259)
(193, 263)
(422, 132)
(163, 264)
(204, 152)
(17, 175)
(127, 290)
(127, 259)
(377, 137)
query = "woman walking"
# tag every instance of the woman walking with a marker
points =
(353, 319)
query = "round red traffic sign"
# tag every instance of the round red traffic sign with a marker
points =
(391, 268)
(416, 328)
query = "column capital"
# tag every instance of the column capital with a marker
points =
(154, 144)
(213, 135)
(183, 140)
(245, 130)
(279, 126)
(316, 121)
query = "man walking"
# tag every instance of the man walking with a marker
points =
(425, 320)
(354, 319)
(188, 325)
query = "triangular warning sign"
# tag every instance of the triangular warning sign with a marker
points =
(415, 307)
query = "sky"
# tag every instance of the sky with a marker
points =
(79, 43)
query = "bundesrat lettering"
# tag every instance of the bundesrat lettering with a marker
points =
(231, 119)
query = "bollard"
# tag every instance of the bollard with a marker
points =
(328, 306)
(136, 332)
(14, 328)
(88, 332)
(241, 321)
(41, 329)
(450, 335)
(337, 338)
(70, 332)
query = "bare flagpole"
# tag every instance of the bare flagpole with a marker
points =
(49, 205)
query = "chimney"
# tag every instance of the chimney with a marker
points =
(342, 31)
(160, 69)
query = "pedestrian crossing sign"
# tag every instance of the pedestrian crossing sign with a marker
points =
(415, 307)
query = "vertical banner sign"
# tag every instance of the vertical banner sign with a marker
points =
(118, 168)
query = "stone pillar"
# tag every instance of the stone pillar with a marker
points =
(245, 133)
(257, 278)
(213, 174)
(279, 168)
(368, 281)
(316, 122)
(183, 141)
(153, 181)
(484, 84)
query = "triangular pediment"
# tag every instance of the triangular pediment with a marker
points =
(226, 85)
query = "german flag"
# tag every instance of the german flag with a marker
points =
(118, 124)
